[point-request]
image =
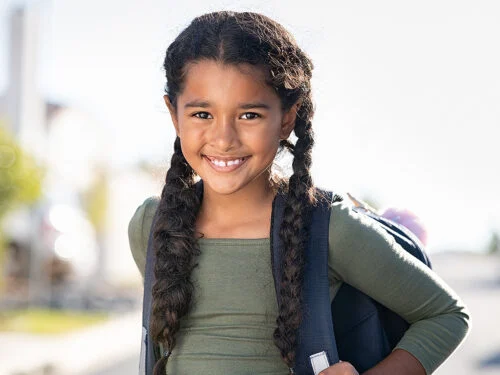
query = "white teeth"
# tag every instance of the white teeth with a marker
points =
(222, 163)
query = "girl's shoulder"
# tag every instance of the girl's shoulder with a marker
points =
(347, 221)
(139, 228)
(143, 216)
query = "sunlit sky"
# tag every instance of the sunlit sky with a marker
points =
(407, 93)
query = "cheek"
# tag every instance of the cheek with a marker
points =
(190, 143)
(189, 133)
(267, 144)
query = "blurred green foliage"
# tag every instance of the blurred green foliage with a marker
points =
(494, 244)
(20, 180)
(95, 201)
(43, 321)
(20, 176)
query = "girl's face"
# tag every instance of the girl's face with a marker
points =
(230, 123)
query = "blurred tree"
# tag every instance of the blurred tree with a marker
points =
(95, 201)
(494, 244)
(20, 176)
(20, 180)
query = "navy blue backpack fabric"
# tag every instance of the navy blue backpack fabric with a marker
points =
(316, 330)
(364, 331)
(149, 351)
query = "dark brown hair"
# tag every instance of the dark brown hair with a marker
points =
(232, 38)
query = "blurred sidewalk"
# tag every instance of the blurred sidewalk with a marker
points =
(112, 348)
(76, 353)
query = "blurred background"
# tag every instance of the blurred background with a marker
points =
(407, 117)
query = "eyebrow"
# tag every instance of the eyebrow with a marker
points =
(205, 104)
(197, 104)
(255, 106)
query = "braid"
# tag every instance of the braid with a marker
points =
(294, 237)
(175, 248)
(235, 38)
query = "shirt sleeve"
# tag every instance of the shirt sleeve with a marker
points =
(363, 255)
(138, 231)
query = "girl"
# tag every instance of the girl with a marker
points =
(237, 86)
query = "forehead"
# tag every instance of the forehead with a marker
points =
(213, 80)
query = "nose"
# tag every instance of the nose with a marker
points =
(224, 135)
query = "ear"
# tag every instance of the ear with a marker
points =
(288, 122)
(173, 113)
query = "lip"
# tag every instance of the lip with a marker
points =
(226, 168)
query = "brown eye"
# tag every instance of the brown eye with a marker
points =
(250, 116)
(203, 115)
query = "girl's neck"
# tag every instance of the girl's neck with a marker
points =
(243, 214)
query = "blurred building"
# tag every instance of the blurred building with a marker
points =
(46, 131)
(23, 110)
(70, 146)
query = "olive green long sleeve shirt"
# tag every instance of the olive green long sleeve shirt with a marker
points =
(230, 327)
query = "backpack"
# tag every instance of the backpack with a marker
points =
(352, 327)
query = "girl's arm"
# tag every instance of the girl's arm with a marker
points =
(366, 257)
(397, 363)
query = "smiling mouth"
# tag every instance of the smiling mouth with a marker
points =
(225, 164)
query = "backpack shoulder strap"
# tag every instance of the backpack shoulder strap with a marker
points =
(316, 332)
(149, 351)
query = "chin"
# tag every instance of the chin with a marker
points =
(222, 189)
